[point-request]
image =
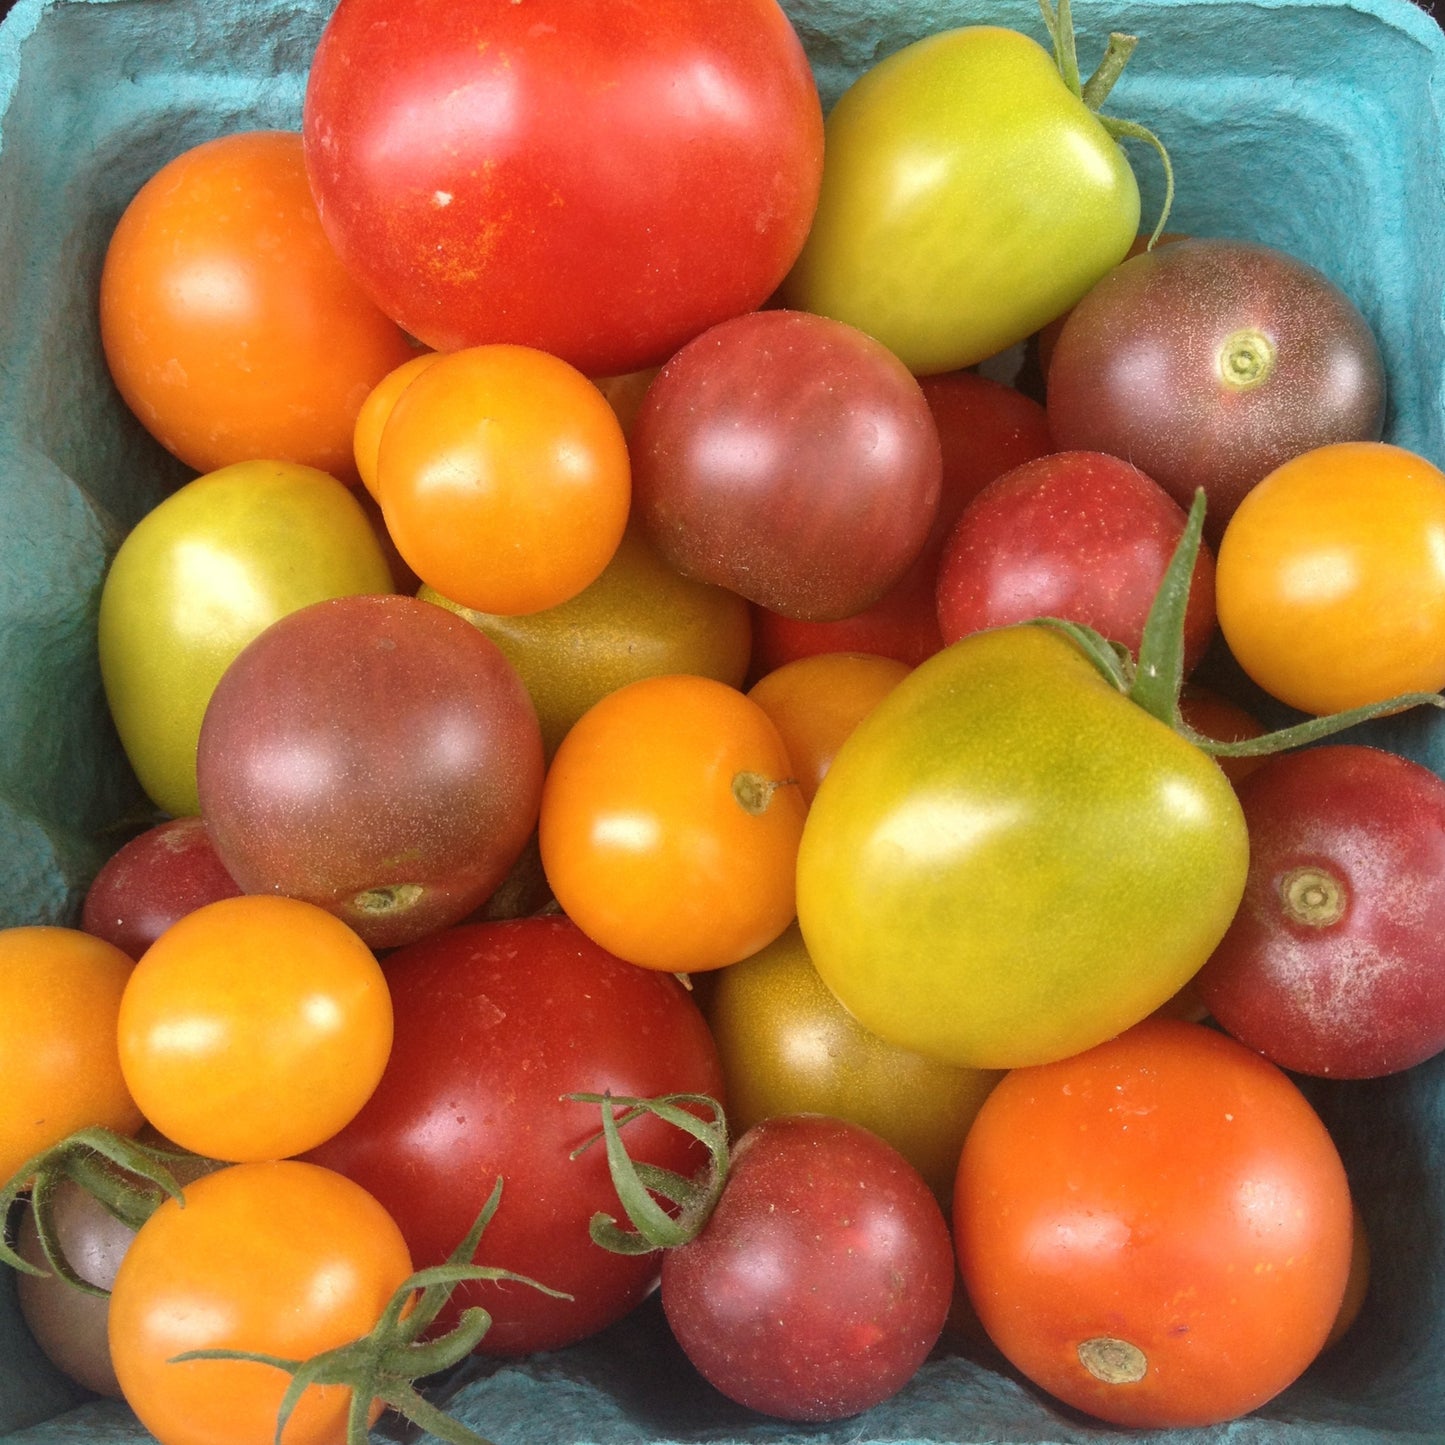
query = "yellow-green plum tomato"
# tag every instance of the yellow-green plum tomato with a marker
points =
(197, 578)
(639, 619)
(969, 197)
(1010, 861)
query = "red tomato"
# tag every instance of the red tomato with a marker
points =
(1156, 1231)
(230, 326)
(601, 181)
(495, 1022)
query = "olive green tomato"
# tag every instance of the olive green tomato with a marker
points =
(639, 619)
(197, 578)
(1009, 861)
(787, 1046)
(968, 198)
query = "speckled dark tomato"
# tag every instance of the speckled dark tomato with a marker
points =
(1207, 363)
(1332, 963)
(821, 1280)
(159, 876)
(380, 758)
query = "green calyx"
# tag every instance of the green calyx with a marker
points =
(385, 1364)
(129, 1179)
(640, 1185)
(1155, 678)
(1059, 22)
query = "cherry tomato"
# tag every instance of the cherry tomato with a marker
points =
(495, 1023)
(602, 183)
(230, 325)
(670, 824)
(1157, 1231)
(254, 1028)
(1330, 584)
(372, 415)
(822, 1277)
(816, 702)
(201, 575)
(283, 1258)
(504, 478)
(60, 994)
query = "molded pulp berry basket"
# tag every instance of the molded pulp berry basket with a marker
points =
(1311, 124)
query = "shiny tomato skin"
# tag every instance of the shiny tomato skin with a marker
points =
(985, 429)
(230, 326)
(1330, 579)
(279, 1257)
(987, 835)
(602, 183)
(822, 1278)
(1158, 1230)
(1331, 966)
(528, 1010)
(1080, 535)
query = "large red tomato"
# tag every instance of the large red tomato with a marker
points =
(600, 181)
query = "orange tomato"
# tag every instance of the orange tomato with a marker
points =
(229, 324)
(283, 1258)
(60, 993)
(254, 1028)
(366, 435)
(1330, 578)
(816, 701)
(670, 824)
(1157, 1231)
(503, 476)
(1215, 716)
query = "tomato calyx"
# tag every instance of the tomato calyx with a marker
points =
(129, 1179)
(386, 1363)
(1155, 678)
(1058, 21)
(637, 1184)
(754, 791)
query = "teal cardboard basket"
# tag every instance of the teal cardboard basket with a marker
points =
(1314, 125)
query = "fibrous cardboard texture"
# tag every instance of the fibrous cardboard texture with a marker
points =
(1315, 127)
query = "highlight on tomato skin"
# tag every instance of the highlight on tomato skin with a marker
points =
(1157, 1231)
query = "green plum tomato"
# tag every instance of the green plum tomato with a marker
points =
(201, 575)
(969, 196)
(1010, 860)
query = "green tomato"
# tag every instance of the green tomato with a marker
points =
(1009, 861)
(197, 578)
(969, 197)
(787, 1046)
(638, 619)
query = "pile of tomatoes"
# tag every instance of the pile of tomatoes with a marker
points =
(608, 765)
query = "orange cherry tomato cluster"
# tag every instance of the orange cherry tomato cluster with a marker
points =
(1152, 1224)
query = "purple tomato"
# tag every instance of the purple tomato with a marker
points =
(1332, 964)
(376, 756)
(1207, 363)
(790, 458)
(823, 1276)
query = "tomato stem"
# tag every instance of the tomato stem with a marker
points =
(636, 1184)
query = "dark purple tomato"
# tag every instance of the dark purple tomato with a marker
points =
(985, 428)
(494, 1023)
(376, 756)
(1332, 964)
(822, 1278)
(790, 458)
(1207, 363)
(159, 876)
(1079, 535)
